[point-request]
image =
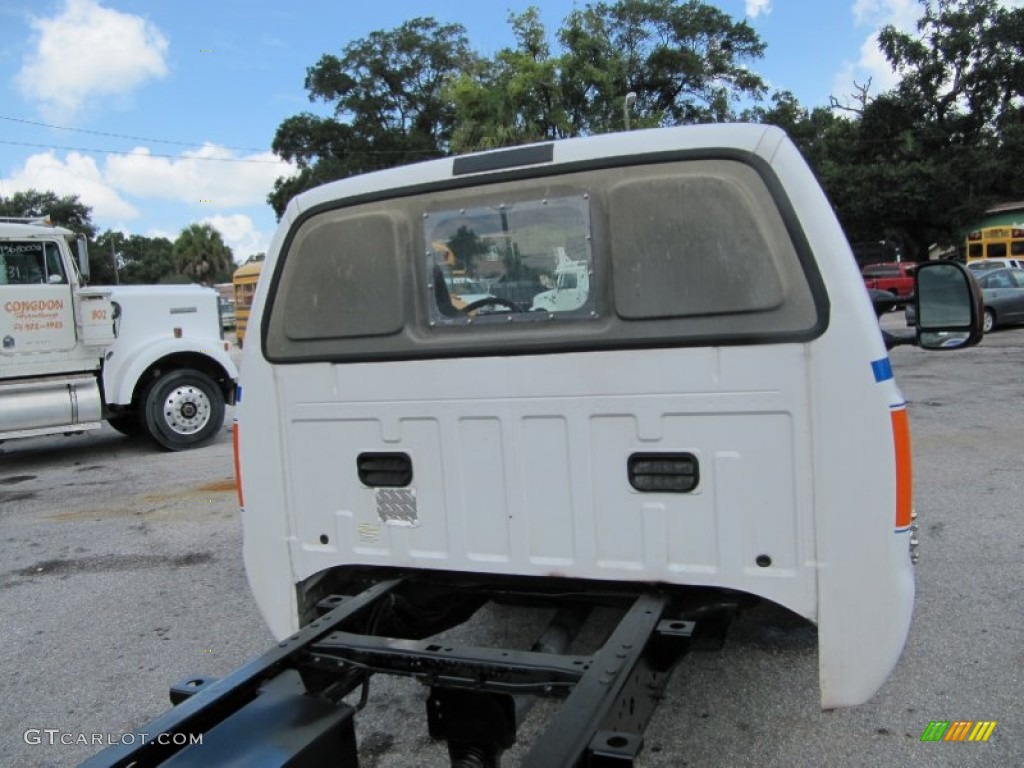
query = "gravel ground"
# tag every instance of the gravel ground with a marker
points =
(120, 573)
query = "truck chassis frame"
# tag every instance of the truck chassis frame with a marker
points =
(286, 708)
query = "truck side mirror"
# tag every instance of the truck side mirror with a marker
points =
(83, 258)
(949, 306)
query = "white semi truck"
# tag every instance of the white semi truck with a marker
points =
(147, 359)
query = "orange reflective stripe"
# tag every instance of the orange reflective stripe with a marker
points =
(238, 466)
(904, 471)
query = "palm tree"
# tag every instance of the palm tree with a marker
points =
(200, 254)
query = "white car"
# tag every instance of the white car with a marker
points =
(467, 290)
(571, 286)
(998, 262)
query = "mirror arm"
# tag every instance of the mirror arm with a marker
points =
(893, 340)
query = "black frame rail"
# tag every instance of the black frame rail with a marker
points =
(286, 708)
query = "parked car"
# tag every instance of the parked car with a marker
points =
(997, 262)
(896, 277)
(883, 301)
(1002, 291)
(227, 313)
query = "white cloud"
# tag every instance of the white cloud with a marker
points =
(87, 51)
(155, 232)
(240, 234)
(78, 175)
(877, 13)
(902, 14)
(863, 10)
(871, 68)
(200, 183)
(872, 65)
(757, 7)
(195, 177)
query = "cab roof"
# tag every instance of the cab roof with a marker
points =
(763, 140)
(12, 229)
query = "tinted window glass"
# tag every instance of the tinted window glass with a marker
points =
(694, 244)
(681, 252)
(998, 279)
(881, 272)
(344, 280)
(534, 256)
(30, 262)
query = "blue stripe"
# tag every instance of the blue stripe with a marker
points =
(882, 369)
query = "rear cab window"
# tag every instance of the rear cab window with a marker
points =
(682, 253)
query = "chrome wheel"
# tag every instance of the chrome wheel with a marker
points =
(183, 408)
(186, 409)
(989, 322)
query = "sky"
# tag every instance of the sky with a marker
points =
(161, 113)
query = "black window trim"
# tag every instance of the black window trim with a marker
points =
(785, 207)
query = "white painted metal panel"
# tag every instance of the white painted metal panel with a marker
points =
(537, 484)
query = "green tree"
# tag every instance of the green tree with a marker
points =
(919, 163)
(922, 161)
(466, 245)
(386, 90)
(514, 98)
(140, 260)
(818, 132)
(686, 62)
(419, 91)
(64, 211)
(200, 255)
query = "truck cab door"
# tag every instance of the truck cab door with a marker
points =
(36, 309)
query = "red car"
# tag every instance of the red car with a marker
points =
(896, 277)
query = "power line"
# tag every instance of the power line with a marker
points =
(416, 153)
(140, 154)
(121, 135)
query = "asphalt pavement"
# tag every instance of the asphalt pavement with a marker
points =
(121, 572)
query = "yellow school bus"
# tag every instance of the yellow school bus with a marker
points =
(244, 281)
(1005, 241)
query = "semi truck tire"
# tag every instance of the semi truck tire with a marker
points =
(182, 409)
(127, 424)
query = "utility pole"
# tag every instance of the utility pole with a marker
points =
(626, 104)
(113, 258)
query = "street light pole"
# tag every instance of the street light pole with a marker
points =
(626, 104)
(113, 259)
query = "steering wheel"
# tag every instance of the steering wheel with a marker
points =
(489, 301)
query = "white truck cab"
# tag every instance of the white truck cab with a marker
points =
(570, 289)
(145, 358)
(709, 405)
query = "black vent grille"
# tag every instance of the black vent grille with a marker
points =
(663, 472)
(384, 470)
